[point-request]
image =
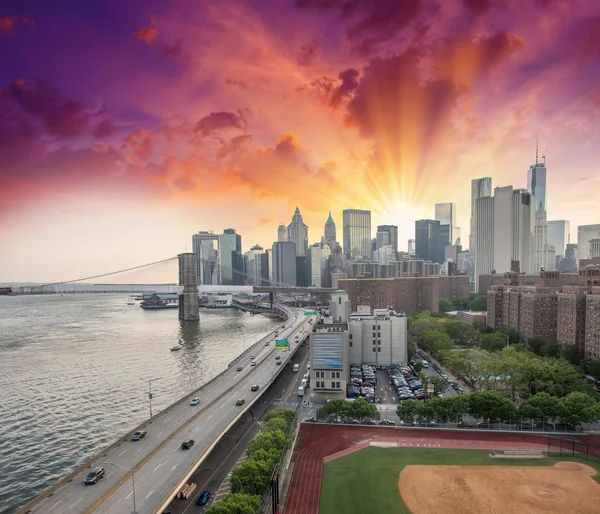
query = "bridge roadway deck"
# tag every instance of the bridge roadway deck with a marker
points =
(157, 459)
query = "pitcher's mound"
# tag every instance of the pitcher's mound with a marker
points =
(565, 487)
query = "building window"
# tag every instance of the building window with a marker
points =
(350, 344)
(373, 350)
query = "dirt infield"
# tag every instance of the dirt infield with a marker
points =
(565, 487)
(315, 442)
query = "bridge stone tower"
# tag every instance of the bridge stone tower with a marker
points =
(188, 299)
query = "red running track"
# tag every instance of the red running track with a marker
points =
(315, 442)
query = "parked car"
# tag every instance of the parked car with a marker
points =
(138, 435)
(204, 498)
(186, 445)
(94, 475)
(239, 402)
(195, 401)
(387, 422)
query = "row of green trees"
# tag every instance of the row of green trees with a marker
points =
(475, 302)
(495, 361)
(575, 408)
(359, 409)
(251, 480)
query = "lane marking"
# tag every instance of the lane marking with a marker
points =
(129, 495)
(173, 467)
(149, 494)
(176, 448)
(157, 467)
(139, 451)
(210, 417)
(161, 432)
(76, 502)
(55, 504)
(110, 475)
(122, 452)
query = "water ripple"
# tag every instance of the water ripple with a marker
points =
(74, 374)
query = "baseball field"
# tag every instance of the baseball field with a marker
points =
(433, 480)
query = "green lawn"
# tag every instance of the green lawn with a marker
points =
(367, 480)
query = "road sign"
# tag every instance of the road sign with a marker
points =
(282, 343)
(310, 313)
(430, 388)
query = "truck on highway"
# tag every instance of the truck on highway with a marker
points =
(296, 368)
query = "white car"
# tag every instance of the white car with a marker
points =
(253, 363)
(195, 401)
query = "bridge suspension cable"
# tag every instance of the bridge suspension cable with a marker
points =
(113, 272)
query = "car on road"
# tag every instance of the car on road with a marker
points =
(138, 435)
(186, 445)
(387, 422)
(94, 475)
(278, 357)
(252, 357)
(278, 363)
(255, 387)
(204, 498)
(253, 363)
(240, 368)
(240, 401)
(195, 401)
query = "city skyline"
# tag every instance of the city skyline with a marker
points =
(119, 147)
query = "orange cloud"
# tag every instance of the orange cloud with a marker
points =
(146, 34)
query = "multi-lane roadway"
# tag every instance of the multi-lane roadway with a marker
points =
(158, 461)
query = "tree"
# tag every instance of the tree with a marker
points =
(267, 441)
(411, 348)
(460, 304)
(442, 409)
(276, 424)
(252, 477)
(540, 406)
(591, 367)
(551, 348)
(460, 332)
(361, 409)
(425, 411)
(433, 341)
(571, 353)
(578, 408)
(458, 405)
(237, 503)
(493, 342)
(490, 405)
(445, 305)
(407, 410)
(440, 385)
(418, 366)
(332, 409)
(477, 302)
(287, 414)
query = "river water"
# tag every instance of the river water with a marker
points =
(74, 373)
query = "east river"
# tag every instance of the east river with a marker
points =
(74, 374)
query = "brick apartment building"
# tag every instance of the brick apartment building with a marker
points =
(569, 314)
(405, 294)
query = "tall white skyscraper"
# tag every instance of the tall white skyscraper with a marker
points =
(281, 232)
(484, 242)
(297, 232)
(284, 263)
(559, 236)
(503, 228)
(203, 244)
(521, 229)
(480, 188)
(536, 185)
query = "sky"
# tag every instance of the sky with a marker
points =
(125, 127)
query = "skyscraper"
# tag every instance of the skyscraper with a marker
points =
(585, 233)
(559, 236)
(428, 241)
(521, 231)
(392, 238)
(284, 263)
(536, 185)
(484, 242)
(297, 232)
(230, 258)
(314, 255)
(357, 233)
(329, 232)
(445, 213)
(281, 233)
(411, 246)
(503, 228)
(254, 266)
(206, 256)
(480, 188)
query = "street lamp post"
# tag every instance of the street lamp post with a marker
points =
(132, 480)
(231, 475)
(150, 392)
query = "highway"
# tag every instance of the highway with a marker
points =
(158, 461)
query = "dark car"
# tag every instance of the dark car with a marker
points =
(254, 387)
(239, 368)
(204, 498)
(241, 401)
(186, 445)
(93, 476)
(138, 435)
